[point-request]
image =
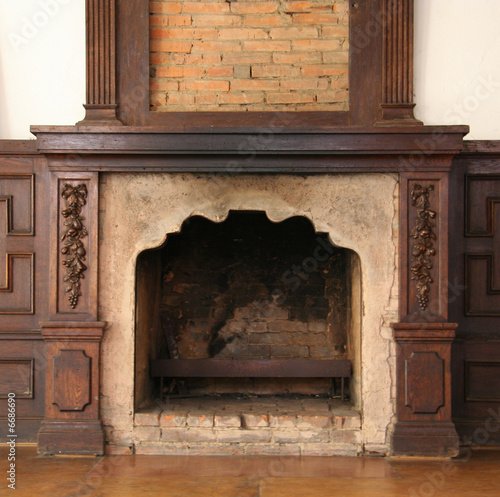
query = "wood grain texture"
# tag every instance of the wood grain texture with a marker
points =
(71, 380)
(475, 187)
(101, 63)
(423, 381)
(397, 105)
(17, 376)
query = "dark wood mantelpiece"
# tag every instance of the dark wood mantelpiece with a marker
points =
(279, 150)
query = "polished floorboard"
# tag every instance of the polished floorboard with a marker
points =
(475, 473)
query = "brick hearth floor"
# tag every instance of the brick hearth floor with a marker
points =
(250, 426)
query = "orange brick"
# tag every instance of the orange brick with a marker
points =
(316, 45)
(304, 84)
(335, 31)
(293, 33)
(254, 7)
(293, 58)
(157, 99)
(249, 84)
(158, 58)
(341, 7)
(180, 20)
(336, 58)
(165, 7)
(205, 59)
(180, 72)
(332, 96)
(298, 6)
(322, 70)
(241, 98)
(266, 46)
(289, 98)
(184, 34)
(241, 34)
(163, 85)
(246, 58)
(170, 46)
(219, 71)
(340, 81)
(205, 7)
(216, 20)
(315, 19)
(180, 98)
(204, 86)
(216, 46)
(266, 20)
(206, 99)
(275, 71)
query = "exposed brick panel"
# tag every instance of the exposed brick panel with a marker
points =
(254, 54)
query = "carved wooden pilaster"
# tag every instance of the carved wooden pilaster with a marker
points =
(101, 106)
(424, 337)
(397, 69)
(72, 389)
(73, 274)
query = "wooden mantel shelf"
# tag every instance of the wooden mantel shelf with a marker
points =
(149, 139)
(248, 150)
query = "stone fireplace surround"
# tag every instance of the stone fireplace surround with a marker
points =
(357, 211)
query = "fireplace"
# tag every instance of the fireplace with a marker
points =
(246, 302)
(130, 181)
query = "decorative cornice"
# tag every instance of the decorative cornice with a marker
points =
(423, 250)
(75, 198)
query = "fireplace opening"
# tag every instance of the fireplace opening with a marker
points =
(246, 288)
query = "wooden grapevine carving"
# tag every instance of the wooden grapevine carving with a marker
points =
(423, 250)
(75, 198)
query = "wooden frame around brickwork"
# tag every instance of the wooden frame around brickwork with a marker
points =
(380, 72)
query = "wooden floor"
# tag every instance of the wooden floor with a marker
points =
(475, 474)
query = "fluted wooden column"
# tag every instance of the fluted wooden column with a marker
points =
(397, 99)
(101, 105)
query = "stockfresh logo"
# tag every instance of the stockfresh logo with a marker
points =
(31, 26)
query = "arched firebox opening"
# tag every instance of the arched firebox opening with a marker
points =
(246, 289)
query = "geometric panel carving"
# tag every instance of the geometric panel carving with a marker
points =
(482, 225)
(17, 287)
(16, 376)
(16, 232)
(424, 382)
(17, 195)
(71, 380)
(482, 381)
(482, 296)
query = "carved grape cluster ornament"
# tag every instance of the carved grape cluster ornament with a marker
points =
(75, 198)
(423, 250)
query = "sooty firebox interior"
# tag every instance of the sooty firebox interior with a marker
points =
(244, 288)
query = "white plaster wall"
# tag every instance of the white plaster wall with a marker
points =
(42, 64)
(457, 73)
(356, 210)
(457, 64)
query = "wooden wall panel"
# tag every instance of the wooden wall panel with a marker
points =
(475, 296)
(23, 283)
(16, 376)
